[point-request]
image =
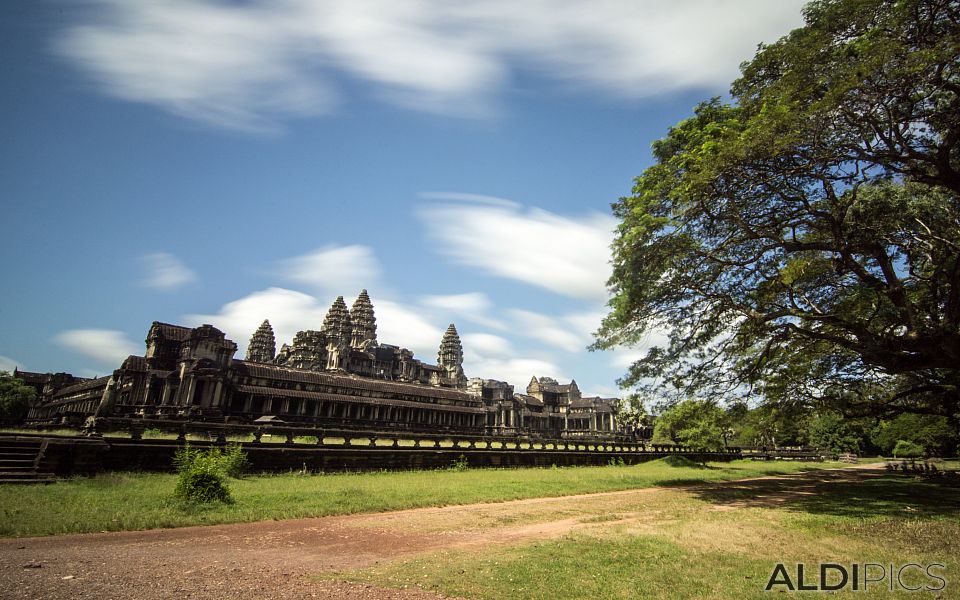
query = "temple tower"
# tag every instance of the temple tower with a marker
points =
(308, 351)
(338, 330)
(263, 344)
(450, 357)
(364, 322)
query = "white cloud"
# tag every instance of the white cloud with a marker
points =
(165, 272)
(248, 65)
(409, 328)
(8, 364)
(479, 345)
(493, 357)
(547, 329)
(568, 256)
(334, 270)
(623, 357)
(472, 306)
(515, 371)
(106, 346)
(290, 311)
(585, 323)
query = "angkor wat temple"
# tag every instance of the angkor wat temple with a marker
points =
(337, 376)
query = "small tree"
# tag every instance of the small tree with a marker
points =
(631, 412)
(905, 449)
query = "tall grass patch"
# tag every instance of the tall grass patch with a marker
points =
(142, 501)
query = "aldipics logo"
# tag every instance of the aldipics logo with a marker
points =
(831, 577)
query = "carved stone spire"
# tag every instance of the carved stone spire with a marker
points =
(263, 345)
(336, 325)
(308, 351)
(364, 323)
(450, 357)
(338, 330)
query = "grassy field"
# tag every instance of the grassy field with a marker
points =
(127, 501)
(714, 544)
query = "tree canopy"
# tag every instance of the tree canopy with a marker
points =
(15, 399)
(803, 242)
(696, 424)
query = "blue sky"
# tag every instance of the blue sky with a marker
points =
(225, 162)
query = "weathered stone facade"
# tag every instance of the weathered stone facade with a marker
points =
(338, 376)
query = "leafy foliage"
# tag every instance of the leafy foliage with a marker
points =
(934, 434)
(203, 474)
(15, 399)
(202, 486)
(802, 244)
(905, 449)
(460, 464)
(696, 424)
(831, 432)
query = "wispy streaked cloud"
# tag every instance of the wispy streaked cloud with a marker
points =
(515, 371)
(290, 311)
(107, 347)
(567, 255)
(403, 325)
(494, 357)
(251, 65)
(165, 272)
(9, 364)
(552, 331)
(334, 270)
(472, 306)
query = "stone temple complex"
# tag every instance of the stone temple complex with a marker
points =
(337, 376)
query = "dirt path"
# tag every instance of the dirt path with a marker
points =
(272, 559)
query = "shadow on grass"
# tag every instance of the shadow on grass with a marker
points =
(842, 493)
(678, 482)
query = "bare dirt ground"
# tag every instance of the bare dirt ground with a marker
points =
(274, 559)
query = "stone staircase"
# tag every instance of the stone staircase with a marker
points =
(20, 461)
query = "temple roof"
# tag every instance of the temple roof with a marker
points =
(82, 386)
(528, 399)
(269, 391)
(350, 382)
(171, 332)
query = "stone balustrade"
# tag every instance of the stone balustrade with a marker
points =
(280, 434)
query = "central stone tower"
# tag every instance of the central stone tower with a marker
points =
(338, 330)
(364, 323)
(450, 357)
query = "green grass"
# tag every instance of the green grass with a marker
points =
(127, 501)
(682, 546)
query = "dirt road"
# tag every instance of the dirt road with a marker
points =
(273, 559)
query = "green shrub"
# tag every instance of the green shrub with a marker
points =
(202, 486)
(460, 464)
(235, 462)
(905, 449)
(203, 473)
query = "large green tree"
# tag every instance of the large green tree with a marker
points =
(15, 399)
(803, 242)
(697, 424)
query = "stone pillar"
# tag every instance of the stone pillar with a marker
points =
(165, 398)
(217, 399)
